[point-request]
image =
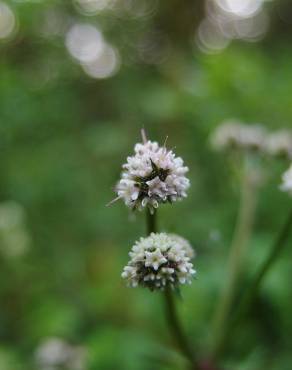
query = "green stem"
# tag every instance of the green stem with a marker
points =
(237, 253)
(170, 309)
(175, 327)
(251, 293)
(151, 222)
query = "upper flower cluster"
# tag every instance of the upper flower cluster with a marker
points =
(151, 176)
(158, 261)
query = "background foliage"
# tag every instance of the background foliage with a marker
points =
(63, 138)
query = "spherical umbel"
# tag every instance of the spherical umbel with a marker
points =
(158, 261)
(153, 175)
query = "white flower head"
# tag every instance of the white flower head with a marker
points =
(287, 181)
(153, 175)
(54, 353)
(279, 144)
(233, 134)
(158, 261)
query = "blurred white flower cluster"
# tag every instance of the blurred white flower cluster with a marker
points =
(158, 261)
(279, 144)
(56, 354)
(233, 134)
(14, 236)
(151, 176)
(287, 181)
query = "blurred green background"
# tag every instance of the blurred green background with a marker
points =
(79, 79)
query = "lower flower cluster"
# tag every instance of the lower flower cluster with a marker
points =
(158, 261)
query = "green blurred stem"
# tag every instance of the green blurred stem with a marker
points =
(170, 308)
(238, 249)
(176, 329)
(250, 294)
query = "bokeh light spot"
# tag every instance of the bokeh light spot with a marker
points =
(209, 38)
(84, 42)
(240, 8)
(7, 21)
(106, 65)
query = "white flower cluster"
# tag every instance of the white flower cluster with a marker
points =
(158, 261)
(279, 144)
(287, 181)
(151, 176)
(56, 354)
(234, 134)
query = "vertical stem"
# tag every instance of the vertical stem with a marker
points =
(176, 329)
(251, 293)
(151, 221)
(237, 253)
(170, 309)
